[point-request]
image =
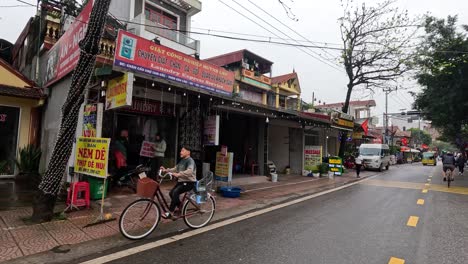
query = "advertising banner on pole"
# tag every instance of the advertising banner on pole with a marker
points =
(119, 91)
(211, 131)
(92, 156)
(223, 167)
(92, 120)
(63, 56)
(143, 56)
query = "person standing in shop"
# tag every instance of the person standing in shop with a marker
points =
(159, 150)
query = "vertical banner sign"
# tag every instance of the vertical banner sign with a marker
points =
(211, 131)
(92, 155)
(137, 54)
(63, 56)
(335, 165)
(119, 91)
(92, 120)
(223, 167)
(147, 149)
(312, 157)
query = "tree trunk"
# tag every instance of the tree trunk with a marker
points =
(345, 110)
(43, 206)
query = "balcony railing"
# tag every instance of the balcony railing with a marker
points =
(172, 35)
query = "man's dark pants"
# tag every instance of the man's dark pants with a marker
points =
(175, 193)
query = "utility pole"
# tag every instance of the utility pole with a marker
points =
(387, 91)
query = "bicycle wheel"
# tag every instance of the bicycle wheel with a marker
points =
(198, 215)
(139, 219)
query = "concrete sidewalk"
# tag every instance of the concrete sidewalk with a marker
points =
(37, 243)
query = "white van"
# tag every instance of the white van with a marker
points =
(375, 156)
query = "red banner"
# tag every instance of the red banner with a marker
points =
(64, 55)
(137, 54)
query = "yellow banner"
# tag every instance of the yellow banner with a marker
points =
(223, 166)
(92, 156)
(119, 91)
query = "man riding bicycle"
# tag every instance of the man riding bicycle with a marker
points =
(185, 171)
(448, 161)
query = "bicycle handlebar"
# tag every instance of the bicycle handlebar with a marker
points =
(168, 174)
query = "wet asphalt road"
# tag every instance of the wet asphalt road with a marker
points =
(360, 224)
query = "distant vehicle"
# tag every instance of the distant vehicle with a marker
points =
(375, 156)
(429, 158)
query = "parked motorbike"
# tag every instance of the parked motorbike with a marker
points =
(129, 178)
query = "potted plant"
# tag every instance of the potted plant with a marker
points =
(28, 165)
(324, 169)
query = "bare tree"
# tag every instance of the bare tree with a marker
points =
(49, 187)
(376, 42)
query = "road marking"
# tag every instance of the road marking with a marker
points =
(162, 242)
(394, 260)
(412, 221)
(429, 180)
(417, 186)
(420, 201)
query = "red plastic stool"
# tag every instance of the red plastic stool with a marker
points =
(80, 193)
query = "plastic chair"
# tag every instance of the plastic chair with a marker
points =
(79, 194)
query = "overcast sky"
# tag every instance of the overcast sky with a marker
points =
(317, 22)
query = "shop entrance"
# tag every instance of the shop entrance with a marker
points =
(240, 133)
(144, 128)
(9, 125)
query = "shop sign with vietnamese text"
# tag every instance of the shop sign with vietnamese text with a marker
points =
(137, 54)
(63, 56)
(92, 120)
(147, 149)
(119, 91)
(211, 131)
(150, 107)
(312, 157)
(223, 167)
(92, 155)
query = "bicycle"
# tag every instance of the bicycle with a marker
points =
(141, 217)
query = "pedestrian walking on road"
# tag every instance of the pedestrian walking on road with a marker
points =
(461, 164)
(358, 163)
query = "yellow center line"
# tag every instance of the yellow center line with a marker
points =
(417, 186)
(420, 201)
(412, 221)
(394, 260)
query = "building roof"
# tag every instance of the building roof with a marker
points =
(367, 103)
(25, 92)
(9, 68)
(236, 56)
(283, 78)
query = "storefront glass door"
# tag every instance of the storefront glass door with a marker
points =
(9, 124)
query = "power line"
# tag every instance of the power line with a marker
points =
(7, 6)
(286, 26)
(272, 31)
(268, 37)
(24, 2)
(256, 40)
